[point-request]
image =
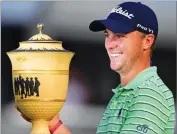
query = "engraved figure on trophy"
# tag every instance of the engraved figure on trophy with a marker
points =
(22, 86)
(15, 86)
(31, 86)
(27, 82)
(36, 86)
(18, 86)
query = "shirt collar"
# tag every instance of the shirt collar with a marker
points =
(141, 77)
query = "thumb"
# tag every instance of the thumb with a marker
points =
(23, 116)
(26, 118)
(17, 108)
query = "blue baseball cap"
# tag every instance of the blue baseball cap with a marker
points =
(128, 17)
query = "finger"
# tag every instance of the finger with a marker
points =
(17, 108)
(26, 118)
(55, 117)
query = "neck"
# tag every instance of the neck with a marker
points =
(130, 75)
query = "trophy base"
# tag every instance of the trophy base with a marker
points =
(40, 127)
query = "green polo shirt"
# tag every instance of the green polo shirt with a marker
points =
(144, 106)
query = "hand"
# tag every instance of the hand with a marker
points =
(52, 122)
(61, 130)
(24, 117)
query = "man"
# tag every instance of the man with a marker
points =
(31, 86)
(36, 86)
(18, 88)
(22, 86)
(15, 86)
(142, 104)
(27, 87)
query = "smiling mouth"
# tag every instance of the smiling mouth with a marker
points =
(116, 55)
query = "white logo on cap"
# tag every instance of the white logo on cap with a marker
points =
(119, 10)
(145, 28)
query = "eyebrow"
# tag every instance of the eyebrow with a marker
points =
(121, 34)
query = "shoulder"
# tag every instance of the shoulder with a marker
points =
(155, 92)
(157, 86)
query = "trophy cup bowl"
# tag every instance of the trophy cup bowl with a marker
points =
(40, 76)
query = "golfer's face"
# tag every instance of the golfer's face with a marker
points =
(123, 49)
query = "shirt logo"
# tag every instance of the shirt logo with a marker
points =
(142, 128)
(119, 10)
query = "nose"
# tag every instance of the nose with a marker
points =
(110, 43)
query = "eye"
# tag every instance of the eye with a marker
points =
(106, 35)
(120, 35)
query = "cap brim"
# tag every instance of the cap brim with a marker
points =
(114, 26)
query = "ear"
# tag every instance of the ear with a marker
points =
(148, 41)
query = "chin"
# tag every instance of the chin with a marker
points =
(115, 67)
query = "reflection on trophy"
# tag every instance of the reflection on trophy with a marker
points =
(40, 71)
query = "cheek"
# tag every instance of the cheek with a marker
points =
(106, 45)
(132, 50)
(135, 53)
(127, 48)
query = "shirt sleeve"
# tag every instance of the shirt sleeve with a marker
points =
(148, 113)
